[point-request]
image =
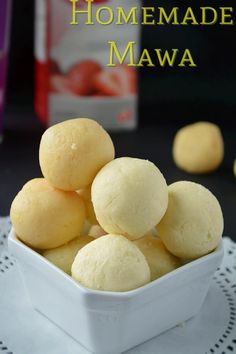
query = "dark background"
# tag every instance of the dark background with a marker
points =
(169, 99)
(206, 92)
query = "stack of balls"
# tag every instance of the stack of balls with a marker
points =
(113, 224)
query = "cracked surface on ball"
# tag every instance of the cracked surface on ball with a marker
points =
(72, 152)
(129, 196)
(111, 263)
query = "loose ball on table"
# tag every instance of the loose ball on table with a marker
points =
(159, 259)
(111, 263)
(64, 256)
(72, 152)
(193, 223)
(44, 217)
(129, 197)
(198, 147)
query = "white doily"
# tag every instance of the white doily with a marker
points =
(5, 227)
(24, 331)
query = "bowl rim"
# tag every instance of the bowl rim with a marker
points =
(217, 253)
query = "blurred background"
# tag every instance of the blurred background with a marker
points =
(169, 98)
(205, 92)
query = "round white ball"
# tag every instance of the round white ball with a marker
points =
(44, 217)
(64, 256)
(159, 259)
(111, 263)
(72, 152)
(129, 196)
(198, 147)
(193, 223)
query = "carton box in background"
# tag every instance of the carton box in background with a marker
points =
(72, 79)
(5, 8)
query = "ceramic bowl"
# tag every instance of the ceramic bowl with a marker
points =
(113, 322)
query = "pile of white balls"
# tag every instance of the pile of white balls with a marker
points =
(114, 224)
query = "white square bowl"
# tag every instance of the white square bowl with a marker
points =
(109, 322)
